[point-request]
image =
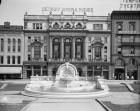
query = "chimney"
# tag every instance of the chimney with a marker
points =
(7, 24)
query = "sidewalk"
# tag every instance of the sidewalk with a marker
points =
(15, 81)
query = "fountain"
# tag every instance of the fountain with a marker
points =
(67, 84)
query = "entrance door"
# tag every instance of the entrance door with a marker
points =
(29, 73)
(119, 74)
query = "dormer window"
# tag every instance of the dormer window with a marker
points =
(56, 25)
(67, 26)
(79, 26)
(37, 25)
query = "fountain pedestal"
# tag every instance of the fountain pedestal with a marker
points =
(66, 85)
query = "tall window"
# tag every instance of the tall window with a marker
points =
(8, 59)
(105, 40)
(19, 45)
(119, 39)
(119, 50)
(56, 48)
(131, 39)
(67, 48)
(132, 26)
(18, 59)
(29, 48)
(37, 51)
(105, 49)
(132, 50)
(119, 26)
(29, 39)
(79, 50)
(14, 45)
(1, 60)
(89, 48)
(97, 26)
(29, 57)
(9, 45)
(45, 48)
(13, 59)
(105, 58)
(2, 45)
(97, 52)
(45, 57)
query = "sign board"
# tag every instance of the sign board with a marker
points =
(130, 5)
(69, 11)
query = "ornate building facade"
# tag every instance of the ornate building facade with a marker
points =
(126, 44)
(11, 51)
(54, 39)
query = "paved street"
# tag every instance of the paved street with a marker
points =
(12, 100)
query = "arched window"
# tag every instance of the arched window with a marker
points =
(19, 45)
(79, 48)
(56, 48)
(9, 45)
(132, 62)
(14, 45)
(119, 62)
(97, 52)
(105, 49)
(67, 48)
(2, 45)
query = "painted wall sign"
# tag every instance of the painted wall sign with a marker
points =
(130, 5)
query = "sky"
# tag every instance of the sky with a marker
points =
(14, 10)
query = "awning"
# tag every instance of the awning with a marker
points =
(10, 70)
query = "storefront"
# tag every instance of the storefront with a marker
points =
(10, 72)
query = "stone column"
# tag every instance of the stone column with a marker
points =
(73, 48)
(62, 48)
(93, 72)
(84, 49)
(32, 71)
(41, 71)
(125, 72)
(138, 72)
(50, 48)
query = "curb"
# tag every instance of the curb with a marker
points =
(130, 88)
(103, 105)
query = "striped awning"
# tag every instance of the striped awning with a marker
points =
(10, 70)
